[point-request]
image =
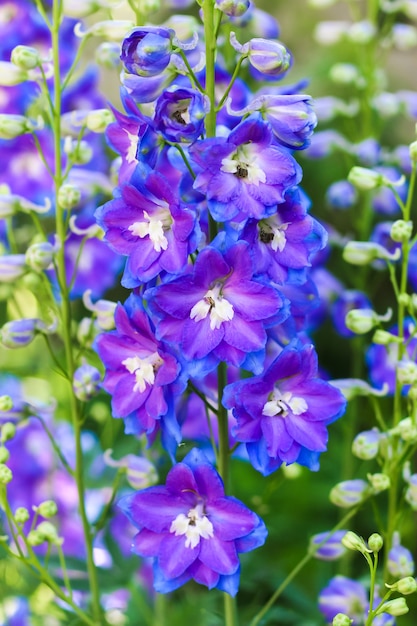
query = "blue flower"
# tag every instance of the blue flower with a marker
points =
(146, 51)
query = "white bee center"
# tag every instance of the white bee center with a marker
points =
(242, 164)
(143, 369)
(193, 525)
(213, 303)
(281, 403)
(154, 227)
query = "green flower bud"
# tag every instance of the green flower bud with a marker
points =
(8, 431)
(349, 493)
(364, 178)
(361, 321)
(401, 231)
(364, 252)
(79, 152)
(375, 542)
(11, 75)
(352, 541)
(12, 126)
(394, 607)
(49, 533)
(407, 372)
(108, 55)
(39, 256)
(4, 455)
(47, 509)
(25, 57)
(379, 482)
(5, 474)
(21, 515)
(406, 429)
(97, 121)
(35, 538)
(112, 30)
(69, 196)
(413, 151)
(341, 620)
(384, 338)
(365, 446)
(405, 585)
(6, 403)
(344, 74)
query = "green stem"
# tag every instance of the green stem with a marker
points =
(210, 38)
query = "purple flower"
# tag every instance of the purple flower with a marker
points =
(191, 529)
(245, 175)
(141, 374)
(282, 415)
(217, 311)
(149, 225)
(180, 114)
(400, 560)
(332, 549)
(146, 51)
(341, 195)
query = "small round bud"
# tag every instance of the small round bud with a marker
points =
(332, 549)
(384, 338)
(407, 372)
(12, 267)
(6, 403)
(405, 585)
(365, 445)
(413, 151)
(8, 430)
(47, 509)
(352, 541)
(11, 75)
(269, 57)
(79, 152)
(233, 8)
(68, 196)
(12, 126)
(364, 178)
(344, 74)
(18, 333)
(25, 57)
(349, 493)
(48, 532)
(375, 542)
(406, 429)
(4, 455)
(400, 562)
(401, 231)
(35, 538)
(395, 607)
(361, 32)
(379, 482)
(341, 620)
(108, 55)
(86, 382)
(5, 474)
(364, 252)
(39, 256)
(361, 321)
(411, 493)
(97, 121)
(21, 515)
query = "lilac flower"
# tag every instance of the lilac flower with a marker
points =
(192, 529)
(146, 51)
(282, 415)
(245, 175)
(180, 114)
(141, 374)
(149, 225)
(217, 311)
(341, 195)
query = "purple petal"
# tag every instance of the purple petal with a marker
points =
(221, 556)
(174, 557)
(230, 518)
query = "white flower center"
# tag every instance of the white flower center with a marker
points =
(143, 369)
(220, 309)
(133, 147)
(281, 403)
(242, 164)
(154, 227)
(272, 232)
(193, 525)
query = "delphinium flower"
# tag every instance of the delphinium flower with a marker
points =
(191, 529)
(282, 415)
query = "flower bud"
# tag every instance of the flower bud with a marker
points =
(98, 120)
(5, 474)
(112, 30)
(80, 152)
(49, 533)
(12, 126)
(25, 57)
(364, 252)
(18, 333)
(400, 560)
(411, 493)
(379, 482)
(407, 372)
(12, 267)
(344, 74)
(35, 538)
(11, 75)
(86, 382)
(364, 178)
(47, 509)
(233, 8)
(6, 403)
(413, 151)
(401, 230)
(107, 55)
(332, 549)
(39, 256)
(384, 338)
(68, 196)
(366, 444)
(103, 309)
(405, 585)
(4, 454)
(352, 541)
(394, 607)
(349, 493)
(375, 542)
(7, 432)
(406, 429)
(341, 619)
(361, 321)
(140, 473)
(21, 515)
(269, 57)
(146, 51)
(361, 32)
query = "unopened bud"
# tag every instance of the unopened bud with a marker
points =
(400, 562)
(80, 152)
(21, 515)
(108, 55)
(366, 444)
(48, 532)
(405, 585)
(364, 178)
(112, 30)
(12, 126)
(86, 382)
(35, 538)
(332, 549)
(375, 542)
(104, 310)
(18, 333)
(341, 619)
(361, 321)
(413, 151)
(97, 121)
(407, 372)
(11, 75)
(39, 256)
(4, 455)
(233, 8)
(68, 196)
(25, 57)
(384, 338)
(344, 74)
(8, 431)
(352, 541)
(401, 230)
(47, 509)
(6, 403)
(12, 267)
(379, 482)
(411, 493)
(406, 429)
(395, 607)
(364, 252)
(349, 493)
(5, 474)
